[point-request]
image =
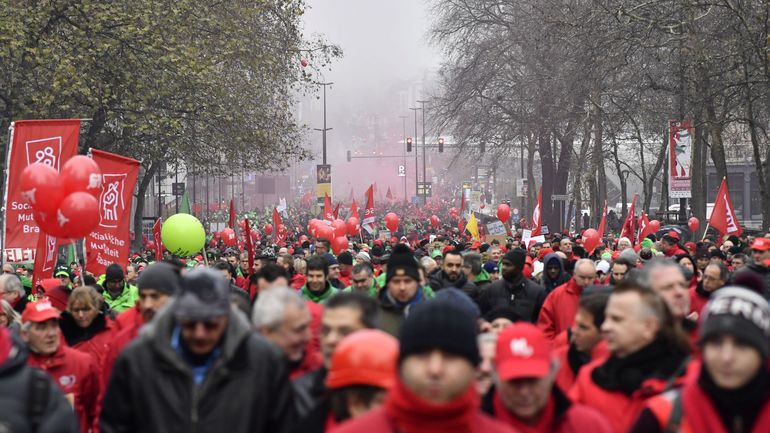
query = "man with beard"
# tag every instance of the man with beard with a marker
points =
(452, 275)
(157, 284)
(318, 288)
(523, 296)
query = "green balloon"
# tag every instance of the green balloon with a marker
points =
(183, 235)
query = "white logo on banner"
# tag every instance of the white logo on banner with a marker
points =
(45, 151)
(111, 200)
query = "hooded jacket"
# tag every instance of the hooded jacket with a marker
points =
(548, 283)
(152, 389)
(439, 280)
(524, 296)
(93, 340)
(15, 377)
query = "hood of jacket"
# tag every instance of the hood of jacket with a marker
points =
(562, 278)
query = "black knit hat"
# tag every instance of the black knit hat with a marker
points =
(345, 258)
(439, 324)
(517, 257)
(113, 273)
(741, 313)
(402, 258)
(161, 277)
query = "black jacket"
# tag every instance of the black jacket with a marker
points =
(308, 391)
(15, 378)
(548, 283)
(438, 280)
(152, 389)
(524, 296)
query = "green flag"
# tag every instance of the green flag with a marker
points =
(71, 256)
(184, 205)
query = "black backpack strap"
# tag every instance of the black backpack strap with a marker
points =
(38, 388)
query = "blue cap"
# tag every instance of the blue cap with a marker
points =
(491, 267)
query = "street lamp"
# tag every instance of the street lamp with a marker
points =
(323, 131)
(416, 175)
(403, 120)
(424, 172)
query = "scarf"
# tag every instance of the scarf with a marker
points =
(577, 359)
(411, 414)
(74, 334)
(717, 410)
(627, 374)
(5, 345)
(544, 421)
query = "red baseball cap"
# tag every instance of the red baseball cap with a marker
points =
(522, 352)
(39, 311)
(673, 235)
(761, 244)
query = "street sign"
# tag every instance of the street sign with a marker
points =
(401, 171)
(559, 197)
(521, 187)
(177, 188)
(424, 189)
(323, 177)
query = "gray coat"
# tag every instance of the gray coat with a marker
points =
(152, 389)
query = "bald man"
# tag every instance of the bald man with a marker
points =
(560, 306)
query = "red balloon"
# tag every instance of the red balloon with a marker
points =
(340, 228)
(693, 223)
(504, 213)
(41, 187)
(391, 222)
(654, 226)
(325, 232)
(228, 237)
(434, 221)
(482, 206)
(303, 62)
(590, 240)
(47, 223)
(268, 229)
(81, 174)
(353, 225)
(78, 214)
(340, 244)
(150, 246)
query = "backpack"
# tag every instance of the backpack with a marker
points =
(38, 389)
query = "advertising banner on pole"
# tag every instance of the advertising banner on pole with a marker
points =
(680, 135)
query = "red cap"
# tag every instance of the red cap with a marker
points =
(447, 249)
(39, 311)
(522, 352)
(476, 245)
(761, 244)
(673, 235)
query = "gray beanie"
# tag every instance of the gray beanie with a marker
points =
(741, 313)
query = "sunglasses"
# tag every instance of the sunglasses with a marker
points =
(191, 325)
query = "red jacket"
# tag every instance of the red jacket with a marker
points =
(97, 345)
(313, 360)
(565, 377)
(698, 300)
(559, 309)
(119, 341)
(377, 421)
(129, 318)
(620, 409)
(77, 375)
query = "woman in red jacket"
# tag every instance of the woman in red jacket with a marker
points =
(84, 325)
(730, 391)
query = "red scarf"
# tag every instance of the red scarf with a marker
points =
(542, 425)
(412, 414)
(703, 416)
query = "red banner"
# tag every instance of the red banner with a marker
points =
(50, 142)
(537, 215)
(629, 226)
(45, 258)
(109, 242)
(353, 209)
(250, 246)
(278, 234)
(231, 222)
(643, 228)
(679, 159)
(603, 223)
(369, 218)
(158, 240)
(328, 212)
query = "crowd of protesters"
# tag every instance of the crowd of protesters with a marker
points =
(426, 330)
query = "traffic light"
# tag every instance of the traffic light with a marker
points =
(441, 144)
(409, 144)
(348, 156)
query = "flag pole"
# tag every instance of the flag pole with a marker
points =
(704, 232)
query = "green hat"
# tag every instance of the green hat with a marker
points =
(435, 253)
(647, 243)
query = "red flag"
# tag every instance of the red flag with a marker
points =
(278, 234)
(537, 214)
(389, 194)
(337, 211)
(307, 199)
(158, 241)
(353, 210)
(629, 229)
(368, 222)
(723, 216)
(603, 223)
(328, 214)
(109, 242)
(250, 244)
(51, 142)
(232, 222)
(462, 201)
(644, 228)
(45, 258)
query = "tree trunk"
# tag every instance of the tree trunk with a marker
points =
(531, 195)
(699, 199)
(654, 173)
(714, 125)
(755, 145)
(548, 171)
(598, 166)
(141, 189)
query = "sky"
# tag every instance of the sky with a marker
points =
(383, 41)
